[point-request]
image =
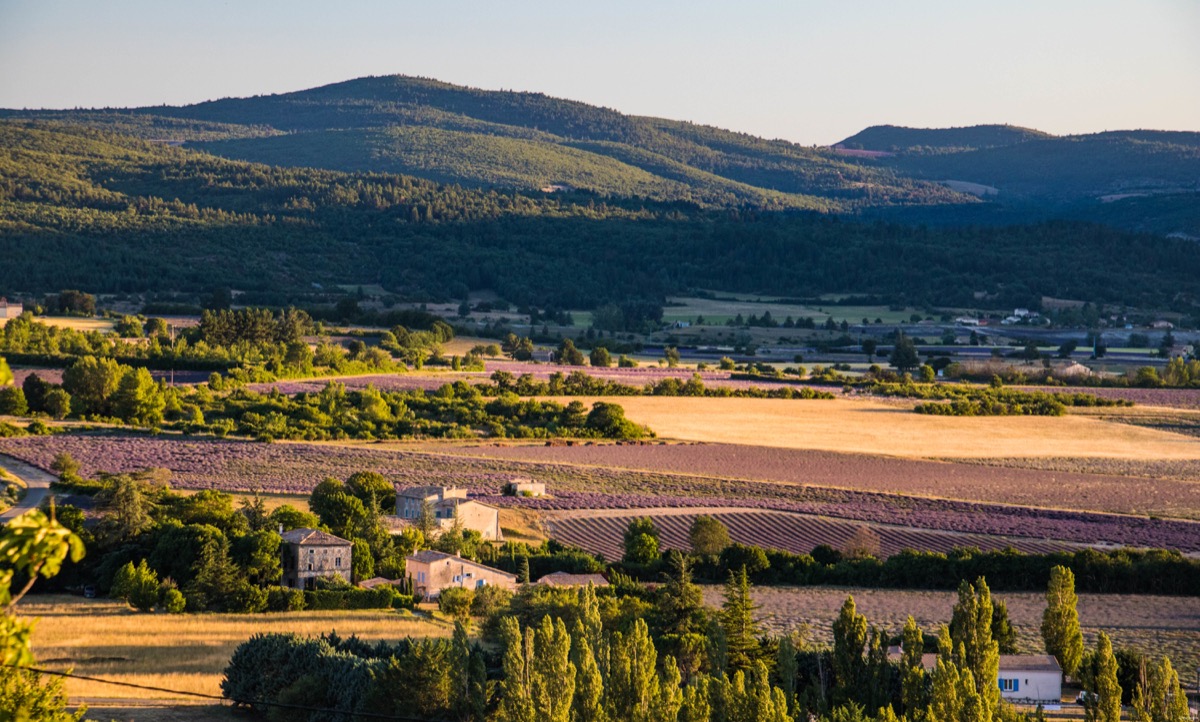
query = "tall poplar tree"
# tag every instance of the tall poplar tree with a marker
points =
(849, 640)
(1060, 621)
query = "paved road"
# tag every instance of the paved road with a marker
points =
(36, 481)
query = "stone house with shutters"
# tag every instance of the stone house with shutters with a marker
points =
(430, 572)
(310, 553)
(447, 503)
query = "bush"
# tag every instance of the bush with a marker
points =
(379, 598)
(456, 602)
(12, 401)
(173, 601)
(284, 599)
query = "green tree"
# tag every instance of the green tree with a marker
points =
(12, 401)
(914, 693)
(869, 347)
(1166, 699)
(849, 642)
(568, 354)
(136, 585)
(904, 353)
(33, 545)
(57, 403)
(600, 357)
(680, 602)
(708, 536)
(974, 648)
(128, 508)
(737, 621)
(456, 602)
(552, 685)
(1002, 629)
(289, 517)
(1060, 621)
(362, 564)
(139, 399)
(6, 374)
(588, 703)
(1100, 679)
(92, 381)
(368, 485)
(516, 699)
(641, 542)
(671, 354)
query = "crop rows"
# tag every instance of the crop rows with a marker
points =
(204, 463)
(791, 532)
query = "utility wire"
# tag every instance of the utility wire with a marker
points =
(201, 695)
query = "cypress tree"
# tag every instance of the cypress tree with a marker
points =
(1106, 707)
(971, 634)
(588, 704)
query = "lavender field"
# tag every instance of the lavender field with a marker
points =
(207, 463)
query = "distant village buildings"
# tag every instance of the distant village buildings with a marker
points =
(449, 504)
(309, 554)
(9, 309)
(429, 573)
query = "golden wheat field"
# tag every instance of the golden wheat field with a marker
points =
(188, 652)
(875, 427)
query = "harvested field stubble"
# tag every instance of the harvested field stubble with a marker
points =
(297, 468)
(1156, 625)
(187, 652)
(871, 427)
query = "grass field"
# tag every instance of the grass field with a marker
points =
(1155, 625)
(188, 652)
(874, 427)
(74, 322)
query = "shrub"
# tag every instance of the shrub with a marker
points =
(284, 599)
(173, 601)
(456, 602)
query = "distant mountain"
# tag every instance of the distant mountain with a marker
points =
(91, 209)
(479, 138)
(1140, 180)
(898, 139)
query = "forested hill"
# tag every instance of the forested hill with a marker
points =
(1139, 179)
(479, 138)
(110, 213)
(898, 139)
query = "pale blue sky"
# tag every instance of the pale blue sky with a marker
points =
(812, 72)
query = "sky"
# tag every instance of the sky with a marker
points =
(810, 72)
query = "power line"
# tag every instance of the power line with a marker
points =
(201, 695)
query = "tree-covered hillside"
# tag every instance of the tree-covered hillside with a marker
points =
(898, 139)
(524, 141)
(85, 208)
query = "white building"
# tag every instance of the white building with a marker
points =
(10, 310)
(1028, 679)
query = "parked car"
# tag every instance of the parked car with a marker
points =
(89, 591)
(1085, 696)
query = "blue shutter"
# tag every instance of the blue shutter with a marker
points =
(1016, 685)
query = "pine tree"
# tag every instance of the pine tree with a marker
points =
(523, 570)
(786, 668)
(849, 640)
(680, 602)
(1060, 621)
(737, 619)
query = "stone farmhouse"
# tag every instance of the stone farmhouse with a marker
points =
(430, 572)
(10, 310)
(448, 504)
(310, 553)
(1029, 679)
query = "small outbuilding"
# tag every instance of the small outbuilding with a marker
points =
(1028, 679)
(524, 487)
